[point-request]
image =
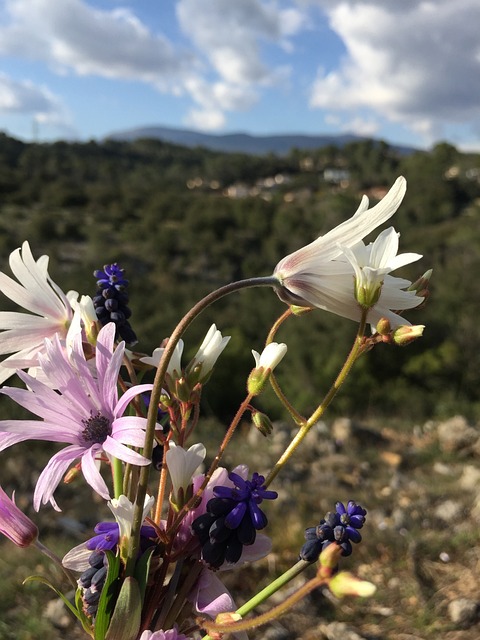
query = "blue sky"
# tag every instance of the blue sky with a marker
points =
(407, 71)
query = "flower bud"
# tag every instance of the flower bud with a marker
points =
(228, 617)
(265, 364)
(14, 524)
(262, 422)
(201, 366)
(182, 390)
(406, 334)
(300, 311)
(346, 584)
(420, 286)
(383, 327)
(330, 556)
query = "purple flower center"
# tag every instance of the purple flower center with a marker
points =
(97, 429)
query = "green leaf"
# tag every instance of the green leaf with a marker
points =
(126, 618)
(142, 569)
(77, 611)
(106, 604)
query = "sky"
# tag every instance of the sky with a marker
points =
(405, 71)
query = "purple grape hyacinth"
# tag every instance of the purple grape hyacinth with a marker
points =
(232, 519)
(340, 526)
(111, 300)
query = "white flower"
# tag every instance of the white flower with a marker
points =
(183, 464)
(270, 356)
(174, 369)
(373, 285)
(208, 353)
(123, 511)
(318, 275)
(50, 311)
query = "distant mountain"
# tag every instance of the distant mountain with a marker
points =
(241, 142)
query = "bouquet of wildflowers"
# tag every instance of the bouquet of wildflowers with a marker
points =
(153, 569)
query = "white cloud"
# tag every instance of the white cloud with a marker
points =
(225, 69)
(70, 35)
(28, 99)
(230, 36)
(25, 97)
(414, 63)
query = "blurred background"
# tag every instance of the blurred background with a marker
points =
(198, 143)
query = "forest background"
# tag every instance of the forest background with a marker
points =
(185, 221)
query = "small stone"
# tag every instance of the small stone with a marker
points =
(463, 611)
(449, 511)
(455, 434)
(338, 631)
(391, 458)
(470, 478)
(57, 614)
(342, 430)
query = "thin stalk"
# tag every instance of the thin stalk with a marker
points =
(50, 554)
(117, 473)
(180, 329)
(162, 484)
(355, 352)
(296, 417)
(274, 586)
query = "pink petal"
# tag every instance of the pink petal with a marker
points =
(52, 474)
(120, 451)
(92, 474)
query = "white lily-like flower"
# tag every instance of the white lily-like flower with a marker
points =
(23, 334)
(318, 275)
(210, 349)
(123, 510)
(373, 286)
(174, 369)
(182, 464)
(270, 356)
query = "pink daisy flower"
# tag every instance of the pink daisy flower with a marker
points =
(80, 409)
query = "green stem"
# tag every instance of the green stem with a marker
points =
(180, 329)
(355, 352)
(274, 586)
(117, 472)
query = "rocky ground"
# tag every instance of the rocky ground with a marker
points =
(421, 547)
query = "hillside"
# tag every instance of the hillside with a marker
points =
(184, 221)
(280, 144)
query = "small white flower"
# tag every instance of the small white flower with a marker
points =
(371, 265)
(208, 353)
(123, 511)
(182, 464)
(270, 356)
(174, 369)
